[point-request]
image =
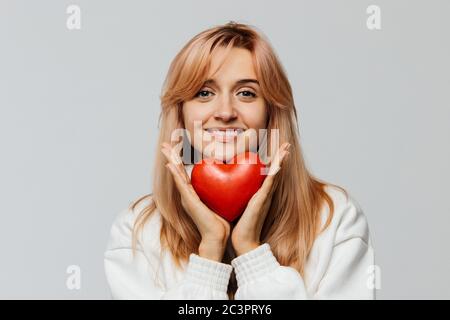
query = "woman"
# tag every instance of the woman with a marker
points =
(298, 238)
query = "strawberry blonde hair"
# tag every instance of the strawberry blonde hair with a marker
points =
(293, 221)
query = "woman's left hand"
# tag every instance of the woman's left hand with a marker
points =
(246, 234)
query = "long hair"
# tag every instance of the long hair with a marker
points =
(293, 220)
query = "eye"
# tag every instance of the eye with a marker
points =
(203, 94)
(247, 94)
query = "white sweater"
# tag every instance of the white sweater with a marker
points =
(339, 266)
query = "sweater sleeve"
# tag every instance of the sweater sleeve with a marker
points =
(260, 276)
(134, 277)
(343, 259)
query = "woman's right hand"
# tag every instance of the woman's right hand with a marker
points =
(213, 229)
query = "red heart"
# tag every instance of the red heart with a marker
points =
(226, 188)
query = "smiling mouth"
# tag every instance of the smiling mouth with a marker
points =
(225, 134)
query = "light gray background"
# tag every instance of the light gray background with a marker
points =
(79, 110)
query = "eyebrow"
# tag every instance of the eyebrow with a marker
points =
(241, 81)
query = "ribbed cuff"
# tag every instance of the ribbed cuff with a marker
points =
(254, 264)
(209, 273)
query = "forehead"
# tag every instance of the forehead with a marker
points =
(237, 64)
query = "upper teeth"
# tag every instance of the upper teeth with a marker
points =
(225, 132)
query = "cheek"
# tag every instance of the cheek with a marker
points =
(255, 116)
(192, 113)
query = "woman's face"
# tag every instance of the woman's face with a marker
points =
(221, 116)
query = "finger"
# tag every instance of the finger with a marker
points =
(267, 185)
(167, 154)
(194, 207)
(179, 181)
(174, 155)
(166, 146)
(179, 163)
(172, 158)
(192, 203)
(178, 147)
(180, 173)
(171, 155)
(277, 157)
(275, 165)
(186, 195)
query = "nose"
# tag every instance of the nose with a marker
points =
(225, 111)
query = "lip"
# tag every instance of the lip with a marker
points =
(224, 134)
